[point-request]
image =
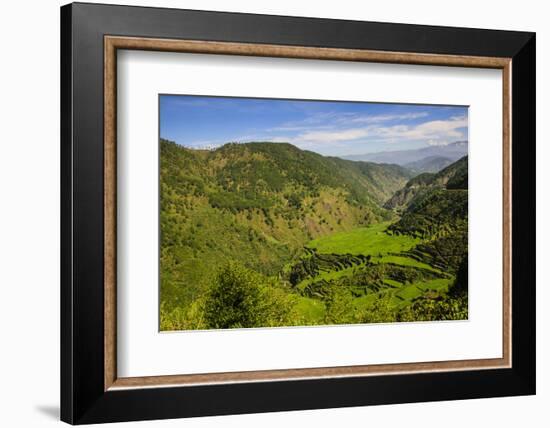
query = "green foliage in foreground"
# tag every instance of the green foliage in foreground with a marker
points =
(238, 298)
(424, 309)
(241, 298)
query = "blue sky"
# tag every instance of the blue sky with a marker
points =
(328, 128)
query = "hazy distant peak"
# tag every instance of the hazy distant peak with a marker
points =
(452, 151)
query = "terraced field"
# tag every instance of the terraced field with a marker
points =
(372, 262)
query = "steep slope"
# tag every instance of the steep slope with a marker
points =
(275, 165)
(438, 214)
(433, 214)
(257, 203)
(454, 176)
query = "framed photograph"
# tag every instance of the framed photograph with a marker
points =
(266, 213)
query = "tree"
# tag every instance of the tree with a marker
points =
(339, 305)
(234, 300)
(459, 289)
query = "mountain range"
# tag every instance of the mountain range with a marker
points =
(429, 164)
(452, 152)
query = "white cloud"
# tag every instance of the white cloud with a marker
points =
(328, 136)
(388, 117)
(289, 128)
(447, 128)
(340, 136)
(442, 131)
(438, 143)
(329, 120)
(204, 144)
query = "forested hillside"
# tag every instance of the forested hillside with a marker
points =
(454, 176)
(265, 234)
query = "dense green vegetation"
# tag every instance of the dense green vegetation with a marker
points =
(454, 176)
(265, 234)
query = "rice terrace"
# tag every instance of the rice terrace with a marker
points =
(281, 213)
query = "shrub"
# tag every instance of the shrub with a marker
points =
(180, 318)
(440, 309)
(233, 301)
(339, 306)
(381, 310)
(241, 298)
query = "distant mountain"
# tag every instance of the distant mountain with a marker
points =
(429, 164)
(453, 151)
(453, 177)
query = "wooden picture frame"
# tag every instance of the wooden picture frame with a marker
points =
(91, 390)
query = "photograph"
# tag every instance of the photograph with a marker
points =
(283, 212)
(260, 212)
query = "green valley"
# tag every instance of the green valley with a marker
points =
(265, 235)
